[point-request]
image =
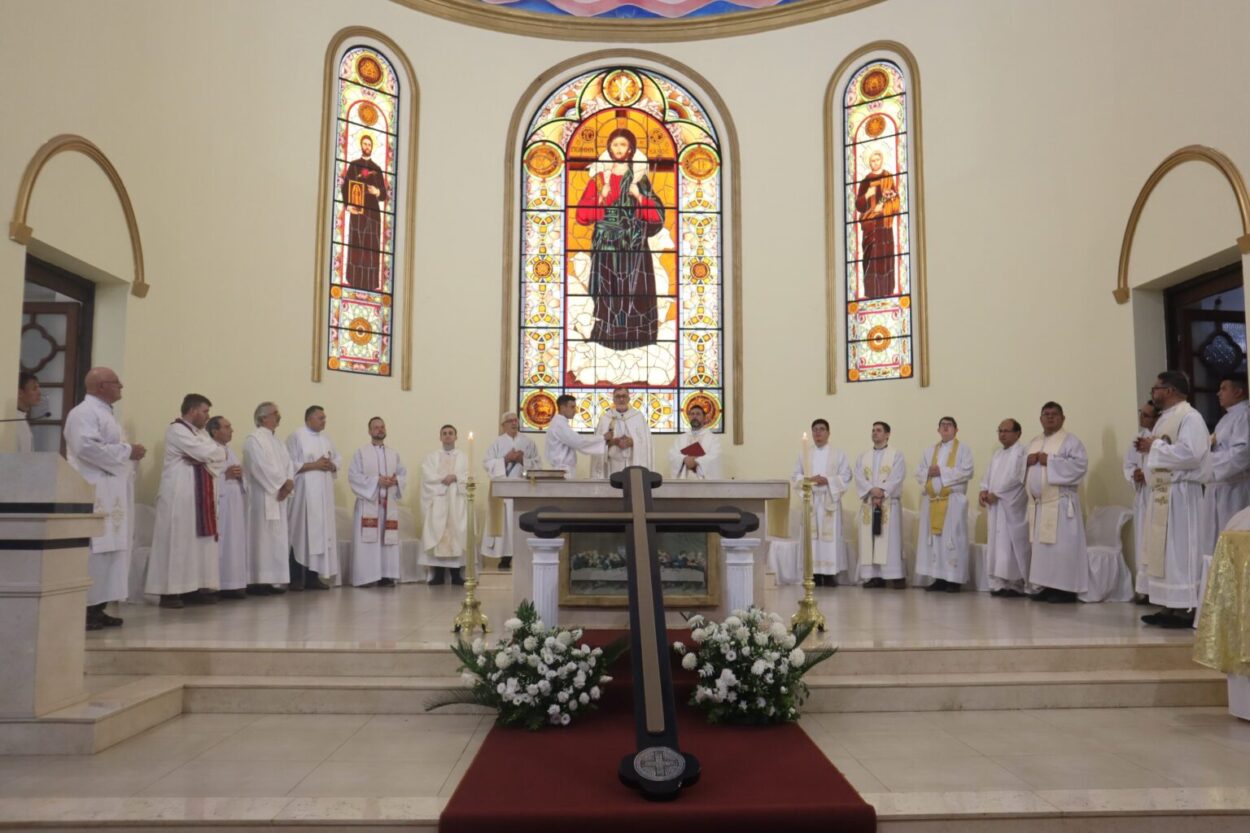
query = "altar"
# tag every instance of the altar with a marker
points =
(579, 582)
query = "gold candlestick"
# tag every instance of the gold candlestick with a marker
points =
(470, 617)
(809, 612)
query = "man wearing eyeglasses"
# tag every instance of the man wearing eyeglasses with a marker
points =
(1134, 472)
(1176, 452)
(1227, 476)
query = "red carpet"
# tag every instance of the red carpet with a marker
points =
(564, 780)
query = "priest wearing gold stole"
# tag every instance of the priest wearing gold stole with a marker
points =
(443, 476)
(314, 539)
(879, 476)
(377, 478)
(631, 437)
(1005, 501)
(943, 475)
(1056, 466)
(1176, 453)
(1134, 473)
(507, 457)
(696, 453)
(830, 474)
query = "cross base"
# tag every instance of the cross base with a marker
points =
(659, 772)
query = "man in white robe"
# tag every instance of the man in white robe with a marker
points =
(943, 475)
(509, 456)
(879, 475)
(314, 539)
(97, 449)
(1056, 466)
(231, 515)
(1176, 453)
(269, 481)
(631, 437)
(702, 462)
(830, 474)
(378, 479)
(443, 535)
(183, 567)
(1134, 473)
(28, 394)
(1005, 501)
(1227, 475)
(563, 442)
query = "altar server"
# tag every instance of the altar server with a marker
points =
(1005, 501)
(563, 442)
(631, 437)
(96, 448)
(378, 479)
(696, 454)
(879, 475)
(28, 395)
(231, 515)
(443, 476)
(943, 475)
(1134, 473)
(1227, 475)
(1056, 466)
(269, 481)
(830, 474)
(508, 456)
(314, 539)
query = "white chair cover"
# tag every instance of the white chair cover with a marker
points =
(785, 560)
(343, 534)
(142, 529)
(1109, 577)
(978, 552)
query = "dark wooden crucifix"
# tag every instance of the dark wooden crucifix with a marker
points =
(658, 768)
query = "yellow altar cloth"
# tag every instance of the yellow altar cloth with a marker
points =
(1223, 638)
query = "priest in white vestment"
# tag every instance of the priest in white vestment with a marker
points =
(563, 442)
(879, 474)
(1005, 501)
(696, 454)
(231, 515)
(1176, 453)
(631, 438)
(942, 545)
(1135, 474)
(314, 539)
(269, 481)
(830, 474)
(28, 395)
(509, 456)
(443, 504)
(1227, 475)
(379, 480)
(1056, 466)
(184, 566)
(96, 448)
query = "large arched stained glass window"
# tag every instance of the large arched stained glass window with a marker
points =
(620, 251)
(877, 192)
(362, 245)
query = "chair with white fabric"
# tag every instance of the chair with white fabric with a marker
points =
(409, 547)
(911, 531)
(343, 520)
(1109, 577)
(979, 553)
(850, 534)
(143, 527)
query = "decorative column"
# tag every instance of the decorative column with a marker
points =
(545, 564)
(739, 572)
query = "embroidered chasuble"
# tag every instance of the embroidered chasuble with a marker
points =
(940, 501)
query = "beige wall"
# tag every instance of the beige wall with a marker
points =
(1041, 122)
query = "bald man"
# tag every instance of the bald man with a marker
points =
(96, 447)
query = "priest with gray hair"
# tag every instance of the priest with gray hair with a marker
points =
(269, 479)
(508, 456)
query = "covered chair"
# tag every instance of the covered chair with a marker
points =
(978, 553)
(1109, 577)
(142, 528)
(343, 519)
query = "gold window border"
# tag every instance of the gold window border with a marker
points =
(589, 62)
(835, 271)
(328, 102)
(712, 598)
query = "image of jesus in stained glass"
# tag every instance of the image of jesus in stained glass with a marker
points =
(364, 190)
(621, 205)
(877, 202)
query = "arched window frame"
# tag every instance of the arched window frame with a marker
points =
(835, 211)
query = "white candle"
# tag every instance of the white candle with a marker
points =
(470, 453)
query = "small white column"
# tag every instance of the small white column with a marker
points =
(739, 572)
(546, 577)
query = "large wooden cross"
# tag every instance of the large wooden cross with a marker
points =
(658, 767)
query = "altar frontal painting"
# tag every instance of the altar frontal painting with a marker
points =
(593, 569)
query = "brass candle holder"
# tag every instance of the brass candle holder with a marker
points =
(470, 617)
(809, 611)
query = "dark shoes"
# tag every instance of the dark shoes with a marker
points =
(823, 580)
(937, 585)
(386, 582)
(1042, 595)
(439, 577)
(874, 583)
(200, 597)
(1062, 597)
(457, 576)
(898, 583)
(231, 594)
(1007, 593)
(505, 563)
(172, 602)
(1170, 618)
(316, 584)
(952, 587)
(264, 590)
(97, 619)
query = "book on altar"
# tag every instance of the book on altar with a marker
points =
(693, 450)
(546, 474)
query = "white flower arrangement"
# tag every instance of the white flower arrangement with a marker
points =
(750, 667)
(535, 675)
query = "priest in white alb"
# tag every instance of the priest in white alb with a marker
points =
(378, 479)
(696, 453)
(1005, 501)
(830, 474)
(631, 437)
(314, 539)
(563, 442)
(879, 475)
(269, 481)
(231, 515)
(1056, 466)
(183, 567)
(942, 545)
(1176, 453)
(28, 395)
(96, 447)
(509, 456)
(443, 536)
(1227, 475)
(1135, 474)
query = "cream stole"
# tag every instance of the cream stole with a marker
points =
(876, 548)
(940, 501)
(830, 506)
(377, 465)
(1045, 530)
(1160, 482)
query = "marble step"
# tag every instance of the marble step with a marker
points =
(105, 718)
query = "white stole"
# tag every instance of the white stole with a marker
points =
(1046, 529)
(1160, 482)
(382, 462)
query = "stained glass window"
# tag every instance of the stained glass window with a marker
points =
(620, 251)
(877, 223)
(362, 244)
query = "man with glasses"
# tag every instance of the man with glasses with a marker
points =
(1134, 472)
(270, 481)
(1056, 466)
(1004, 499)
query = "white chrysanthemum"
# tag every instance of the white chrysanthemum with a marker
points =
(707, 670)
(759, 667)
(732, 623)
(563, 696)
(501, 688)
(531, 690)
(468, 678)
(789, 642)
(512, 624)
(679, 648)
(690, 661)
(727, 676)
(595, 693)
(544, 687)
(583, 698)
(778, 630)
(731, 654)
(742, 634)
(502, 660)
(695, 621)
(797, 657)
(572, 705)
(564, 638)
(760, 638)
(565, 720)
(698, 635)
(530, 643)
(739, 613)
(479, 646)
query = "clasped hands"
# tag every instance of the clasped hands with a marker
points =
(385, 481)
(1037, 458)
(516, 455)
(234, 472)
(1143, 444)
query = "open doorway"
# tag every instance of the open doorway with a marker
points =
(1206, 333)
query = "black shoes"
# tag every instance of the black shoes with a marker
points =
(1007, 593)
(505, 563)
(937, 585)
(457, 576)
(874, 583)
(439, 577)
(386, 582)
